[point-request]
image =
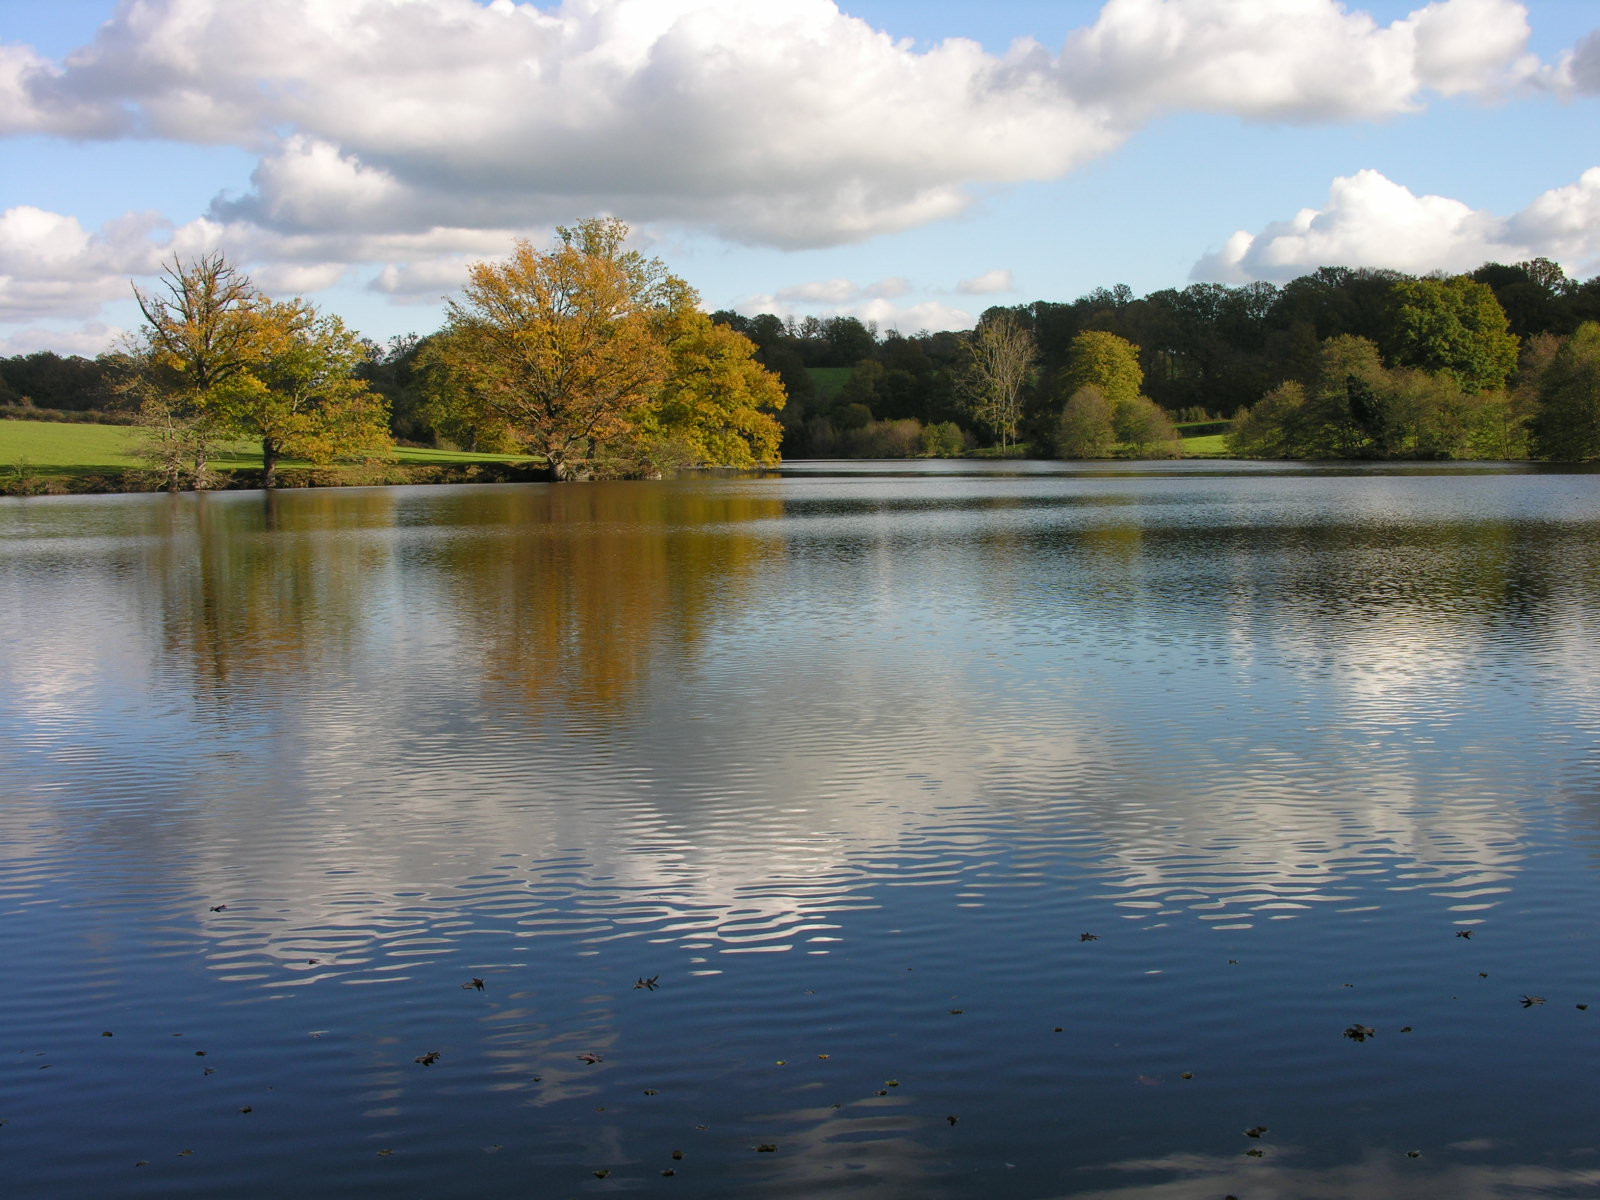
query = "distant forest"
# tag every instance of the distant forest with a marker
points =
(1207, 352)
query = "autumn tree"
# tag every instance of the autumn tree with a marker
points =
(717, 404)
(1000, 364)
(566, 346)
(300, 396)
(196, 338)
(217, 359)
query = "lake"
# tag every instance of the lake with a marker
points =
(936, 830)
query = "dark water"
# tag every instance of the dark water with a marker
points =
(851, 764)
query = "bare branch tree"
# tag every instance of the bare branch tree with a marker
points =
(1003, 353)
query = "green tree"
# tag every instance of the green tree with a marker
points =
(1453, 325)
(1272, 428)
(1567, 427)
(1085, 428)
(300, 396)
(1145, 430)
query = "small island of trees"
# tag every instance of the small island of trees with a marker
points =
(598, 362)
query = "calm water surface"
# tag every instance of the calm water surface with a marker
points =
(869, 829)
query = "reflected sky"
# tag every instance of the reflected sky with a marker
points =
(841, 756)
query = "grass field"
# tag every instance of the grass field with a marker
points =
(51, 449)
(1213, 445)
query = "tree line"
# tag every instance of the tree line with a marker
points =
(600, 361)
(1462, 362)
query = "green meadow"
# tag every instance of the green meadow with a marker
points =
(48, 451)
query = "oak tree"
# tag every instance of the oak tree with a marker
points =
(598, 359)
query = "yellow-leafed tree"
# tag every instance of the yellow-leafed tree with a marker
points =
(597, 358)
(217, 359)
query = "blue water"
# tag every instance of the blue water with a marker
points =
(1088, 807)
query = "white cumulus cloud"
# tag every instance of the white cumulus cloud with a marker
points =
(1371, 221)
(395, 138)
(787, 122)
(998, 280)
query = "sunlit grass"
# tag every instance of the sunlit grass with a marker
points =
(58, 448)
(1213, 445)
(48, 446)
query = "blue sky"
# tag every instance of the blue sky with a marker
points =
(785, 156)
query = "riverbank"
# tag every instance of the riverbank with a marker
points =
(50, 458)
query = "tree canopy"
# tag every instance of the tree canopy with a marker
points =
(217, 359)
(597, 358)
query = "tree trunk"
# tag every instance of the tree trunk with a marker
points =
(270, 449)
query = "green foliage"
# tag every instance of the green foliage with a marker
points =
(1568, 425)
(1105, 362)
(1357, 408)
(1144, 430)
(1454, 325)
(1271, 429)
(943, 440)
(1085, 428)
